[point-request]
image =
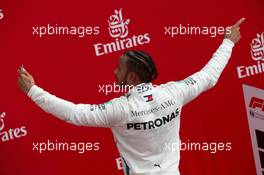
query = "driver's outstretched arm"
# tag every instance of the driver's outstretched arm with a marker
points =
(103, 115)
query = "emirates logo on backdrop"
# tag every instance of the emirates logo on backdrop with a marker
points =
(2, 123)
(118, 30)
(1, 14)
(11, 133)
(118, 27)
(257, 54)
(257, 47)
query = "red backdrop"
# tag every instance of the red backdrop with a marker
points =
(67, 66)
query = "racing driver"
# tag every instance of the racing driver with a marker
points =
(146, 118)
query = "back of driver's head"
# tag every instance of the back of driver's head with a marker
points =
(142, 64)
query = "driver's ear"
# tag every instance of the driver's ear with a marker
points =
(132, 77)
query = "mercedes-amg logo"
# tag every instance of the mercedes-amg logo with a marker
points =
(157, 165)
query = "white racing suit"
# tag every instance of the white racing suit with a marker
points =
(145, 122)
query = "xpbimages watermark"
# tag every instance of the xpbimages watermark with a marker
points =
(60, 30)
(52, 146)
(107, 89)
(211, 147)
(212, 31)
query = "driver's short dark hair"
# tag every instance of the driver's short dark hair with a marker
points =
(142, 64)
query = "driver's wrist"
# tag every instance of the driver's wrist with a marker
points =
(30, 89)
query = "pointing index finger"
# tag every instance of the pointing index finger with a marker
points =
(239, 22)
(23, 70)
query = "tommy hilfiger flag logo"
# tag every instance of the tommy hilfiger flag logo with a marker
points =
(148, 98)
